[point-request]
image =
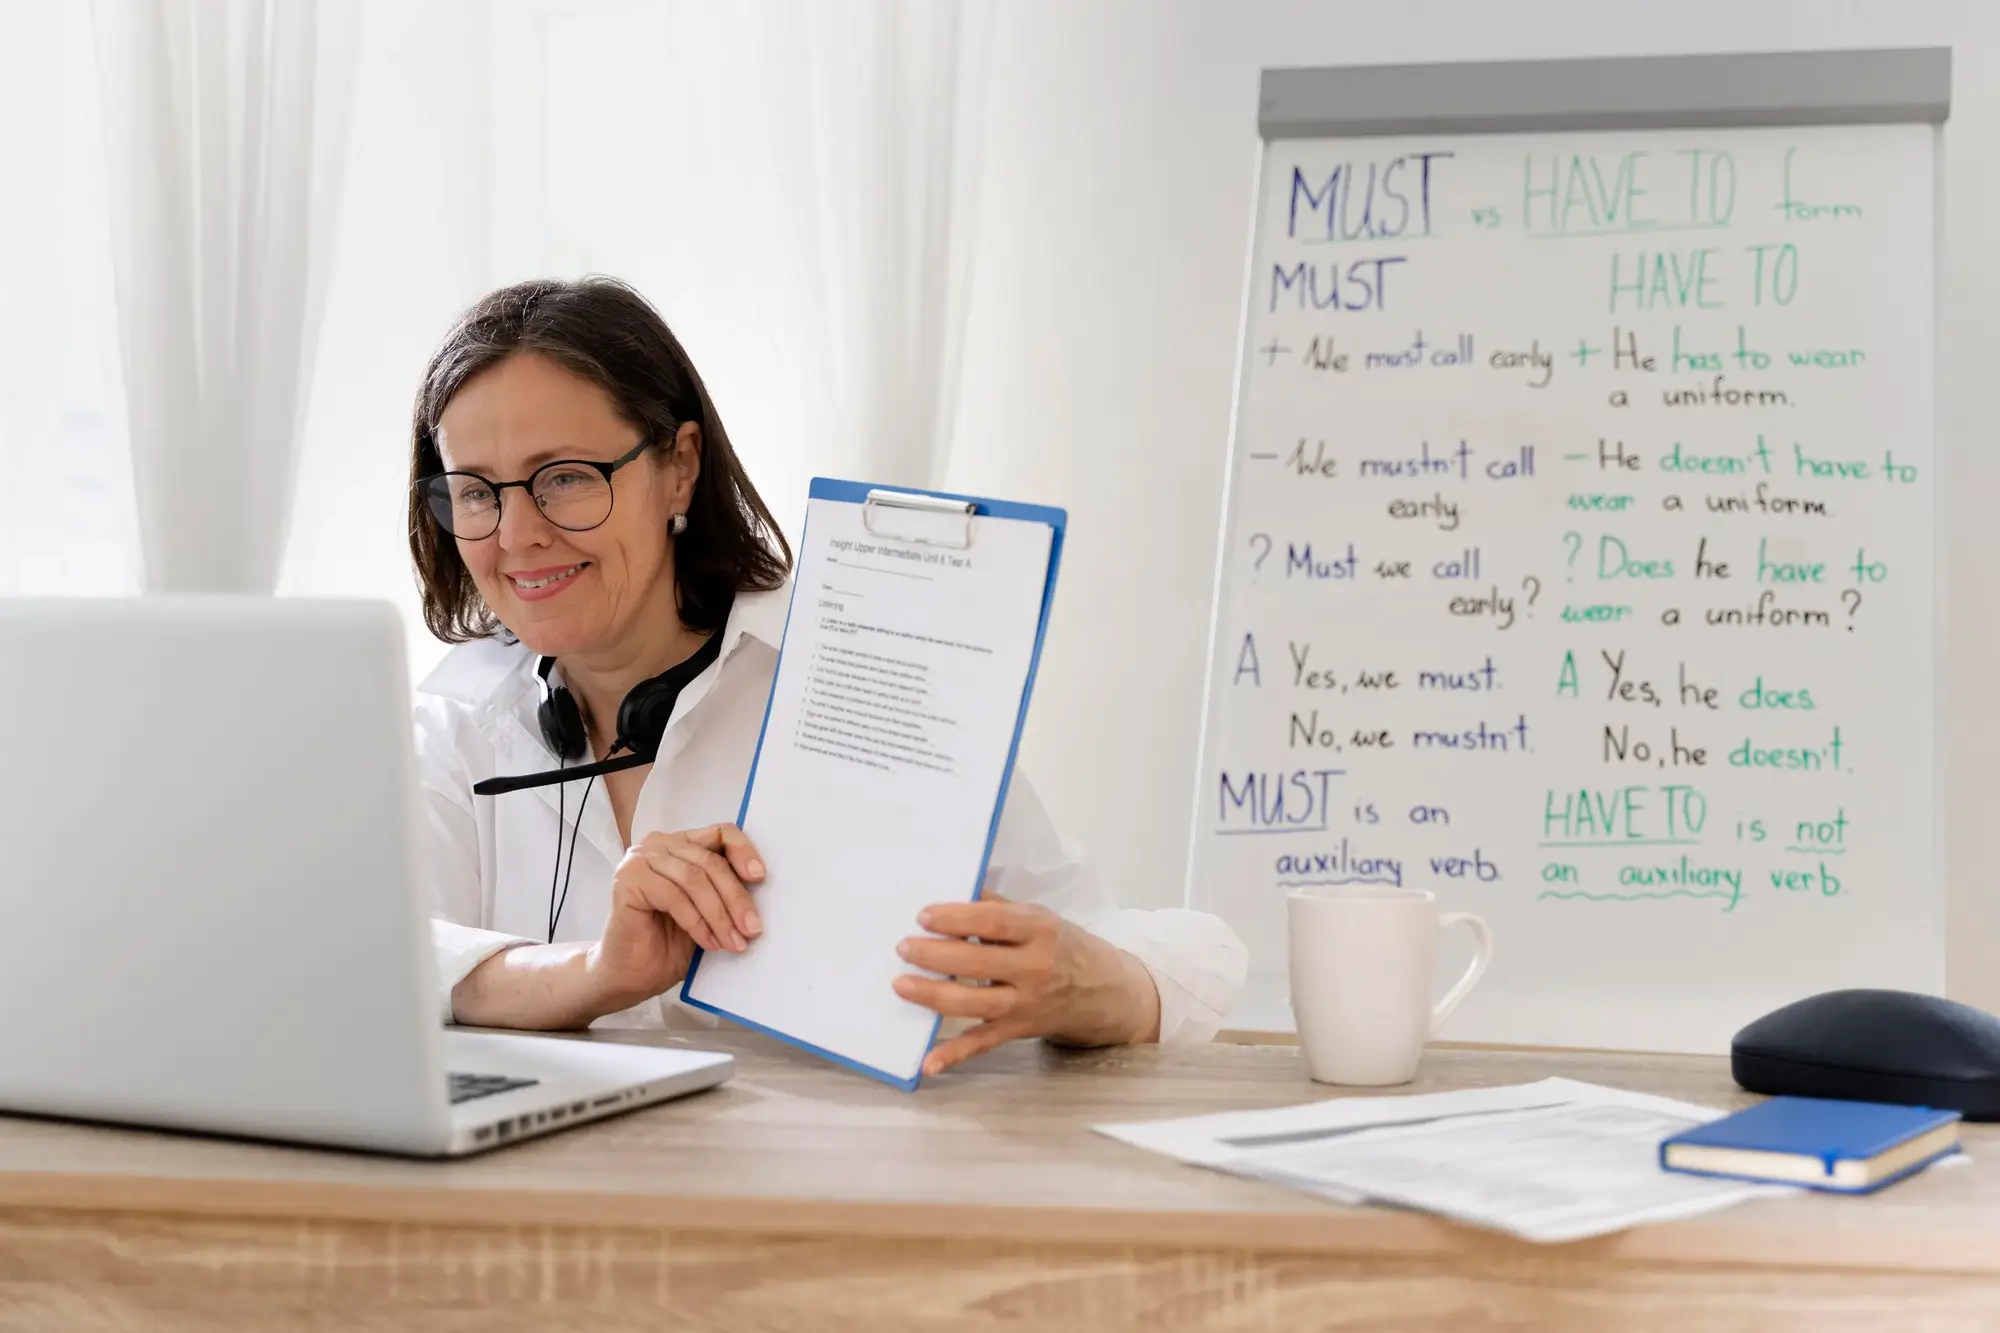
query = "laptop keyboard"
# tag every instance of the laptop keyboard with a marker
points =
(470, 1087)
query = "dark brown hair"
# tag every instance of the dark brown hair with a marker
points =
(606, 332)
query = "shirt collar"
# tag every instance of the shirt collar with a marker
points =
(494, 671)
(761, 615)
(480, 671)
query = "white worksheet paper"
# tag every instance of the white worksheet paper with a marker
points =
(878, 782)
(1551, 1161)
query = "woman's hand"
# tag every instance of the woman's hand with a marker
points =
(1048, 978)
(672, 892)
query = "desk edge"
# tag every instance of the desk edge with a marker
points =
(1335, 1232)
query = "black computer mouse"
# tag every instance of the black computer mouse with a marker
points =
(1875, 1046)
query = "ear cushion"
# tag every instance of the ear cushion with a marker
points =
(643, 717)
(562, 724)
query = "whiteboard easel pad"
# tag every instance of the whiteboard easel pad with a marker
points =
(1578, 567)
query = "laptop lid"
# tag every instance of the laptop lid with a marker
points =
(207, 806)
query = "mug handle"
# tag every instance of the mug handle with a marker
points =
(1482, 954)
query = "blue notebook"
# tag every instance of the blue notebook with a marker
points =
(1847, 1147)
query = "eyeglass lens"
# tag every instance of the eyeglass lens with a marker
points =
(570, 495)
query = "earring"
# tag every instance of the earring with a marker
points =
(679, 524)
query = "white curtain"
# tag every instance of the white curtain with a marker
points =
(225, 134)
(878, 128)
(410, 252)
(792, 182)
(66, 509)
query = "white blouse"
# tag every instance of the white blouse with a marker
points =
(491, 858)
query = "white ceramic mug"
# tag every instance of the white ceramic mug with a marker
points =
(1362, 959)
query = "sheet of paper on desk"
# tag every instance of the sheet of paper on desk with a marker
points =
(1211, 1140)
(1550, 1161)
(1557, 1174)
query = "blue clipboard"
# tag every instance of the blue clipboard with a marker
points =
(861, 493)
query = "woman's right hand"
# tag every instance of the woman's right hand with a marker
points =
(671, 893)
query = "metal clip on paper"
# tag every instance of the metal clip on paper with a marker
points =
(937, 505)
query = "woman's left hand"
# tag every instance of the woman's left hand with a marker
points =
(1047, 978)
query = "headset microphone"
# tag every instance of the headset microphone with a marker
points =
(523, 781)
(642, 721)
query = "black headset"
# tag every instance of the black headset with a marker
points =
(642, 721)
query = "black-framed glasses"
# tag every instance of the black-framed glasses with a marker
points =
(572, 493)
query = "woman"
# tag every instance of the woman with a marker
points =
(579, 526)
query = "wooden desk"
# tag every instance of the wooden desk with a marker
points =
(801, 1197)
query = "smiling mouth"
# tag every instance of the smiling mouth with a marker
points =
(532, 585)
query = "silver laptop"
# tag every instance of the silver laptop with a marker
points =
(208, 818)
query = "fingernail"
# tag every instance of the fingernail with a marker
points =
(741, 943)
(755, 870)
(924, 918)
(903, 949)
(753, 923)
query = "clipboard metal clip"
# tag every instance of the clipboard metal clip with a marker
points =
(928, 504)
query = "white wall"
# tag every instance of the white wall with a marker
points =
(1113, 230)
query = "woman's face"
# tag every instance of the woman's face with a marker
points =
(563, 592)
